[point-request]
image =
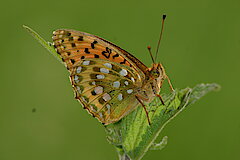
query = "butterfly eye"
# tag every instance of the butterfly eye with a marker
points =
(155, 73)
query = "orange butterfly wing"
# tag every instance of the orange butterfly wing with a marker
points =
(104, 76)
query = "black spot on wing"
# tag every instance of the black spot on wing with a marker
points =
(123, 62)
(73, 61)
(86, 50)
(73, 45)
(93, 44)
(116, 55)
(106, 54)
(108, 50)
(80, 38)
(96, 56)
(93, 93)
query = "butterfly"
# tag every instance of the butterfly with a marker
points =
(108, 81)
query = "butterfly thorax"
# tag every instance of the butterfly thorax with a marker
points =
(153, 82)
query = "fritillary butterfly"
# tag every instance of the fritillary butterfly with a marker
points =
(108, 81)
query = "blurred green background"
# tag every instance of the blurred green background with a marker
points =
(201, 43)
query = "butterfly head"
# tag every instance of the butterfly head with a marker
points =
(157, 71)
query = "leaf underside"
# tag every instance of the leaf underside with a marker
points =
(132, 136)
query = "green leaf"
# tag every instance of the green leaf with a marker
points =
(133, 137)
(44, 43)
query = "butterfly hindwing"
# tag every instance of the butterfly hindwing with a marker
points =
(104, 88)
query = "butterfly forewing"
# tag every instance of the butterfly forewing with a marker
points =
(104, 79)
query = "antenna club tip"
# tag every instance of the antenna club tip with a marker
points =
(149, 47)
(164, 16)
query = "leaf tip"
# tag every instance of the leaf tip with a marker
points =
(25, 27)
(161, 145)
(217, 87)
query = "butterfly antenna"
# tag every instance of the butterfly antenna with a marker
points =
(160, 37)
(150, 52)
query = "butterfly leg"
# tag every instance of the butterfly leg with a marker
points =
(160, 97)
(170, 84)
(144, 109)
